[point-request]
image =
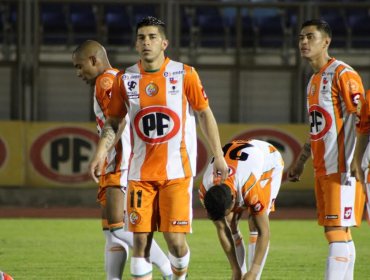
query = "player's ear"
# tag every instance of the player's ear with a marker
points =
(93, 60)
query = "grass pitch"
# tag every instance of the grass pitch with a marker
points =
(56, 249)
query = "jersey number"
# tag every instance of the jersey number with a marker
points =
(138, 201)
(234, 153)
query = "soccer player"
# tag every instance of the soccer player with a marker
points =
(332, 96)
(92, 65)
(256, 169)
(162, 97)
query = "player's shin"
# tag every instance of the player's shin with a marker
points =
(339, 255)
(116, 253)
(240, 251)
(160, 260)
(352, 257)
(179, 266)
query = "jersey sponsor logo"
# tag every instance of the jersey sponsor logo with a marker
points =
(257, 207)
(331, 217)
(151, 89)
(135, 218)
(320, 122)
(355, 98)
(156, 124)
(106, 83)
(131, 76)
(347, 213)
(180, 223)
(3, 152)
(62, 155)
(171, 74)
(288, 146)
(131, 85)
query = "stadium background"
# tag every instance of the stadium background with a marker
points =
(245, 53)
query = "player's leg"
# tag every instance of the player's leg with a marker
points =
(253, 236)
(175, 207)
(141, 196)
(238, 240)
(160, 260)
(117, 245)
(336, 196)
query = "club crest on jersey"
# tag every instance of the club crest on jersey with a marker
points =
(353, 86)
(106, 83)
(135, 218)
(320, 122)
(156, 124)
(151, 89)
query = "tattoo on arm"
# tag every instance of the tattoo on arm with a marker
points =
(108, 134)
(306, 152)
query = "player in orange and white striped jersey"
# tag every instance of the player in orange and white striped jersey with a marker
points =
(362, 154)
(161, 97)
(92, 65)
(255, 172)
(332, 96)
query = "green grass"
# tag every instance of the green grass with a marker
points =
(73, 249)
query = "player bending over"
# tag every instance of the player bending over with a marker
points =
(255, 172)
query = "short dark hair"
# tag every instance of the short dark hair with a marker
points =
(217, 199)
(152, 21)
(320, 24)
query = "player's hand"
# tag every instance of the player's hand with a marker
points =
(220, 168)
(95, 167)
(295, 172)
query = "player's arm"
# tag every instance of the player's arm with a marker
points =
(227, 243)
(106, 142)
(361, 144)
(209, 129)
(262, 224)
(297, 168)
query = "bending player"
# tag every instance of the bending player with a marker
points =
(92, 65)
(255, 172)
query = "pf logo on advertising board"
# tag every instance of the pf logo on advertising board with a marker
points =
(3, 153)
(288, 146)
(63, 154)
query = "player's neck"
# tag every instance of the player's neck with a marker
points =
(319, 62)
(153, 66)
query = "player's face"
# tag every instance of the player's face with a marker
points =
(312, 42)
(85, 68)
(150, 44)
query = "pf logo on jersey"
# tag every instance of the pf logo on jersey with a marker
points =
(258, 207)
(347, 213)
(156, 124)
(320, 122)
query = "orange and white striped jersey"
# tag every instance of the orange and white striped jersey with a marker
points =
(118, 157)
(253, 165)
(161, 107)
(363, 113)
(332, 97)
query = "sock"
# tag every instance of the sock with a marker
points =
(263, 262)
(116, 253)
(179, 266)
(141, 269)
(337, 262)
(352, 257)
(120, 233)
(253, 235)
(240, 251)
(160, 260)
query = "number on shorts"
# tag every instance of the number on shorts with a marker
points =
(138, 201)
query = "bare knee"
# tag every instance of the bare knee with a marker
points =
(176, 243)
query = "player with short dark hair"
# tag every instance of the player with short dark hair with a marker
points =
(256, 169)
(332, 96)
(162, 98)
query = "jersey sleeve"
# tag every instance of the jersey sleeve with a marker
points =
(103, 90)
(255, 200)
(351, 88)
(117, 105)
(363, 113)
(194, 90)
